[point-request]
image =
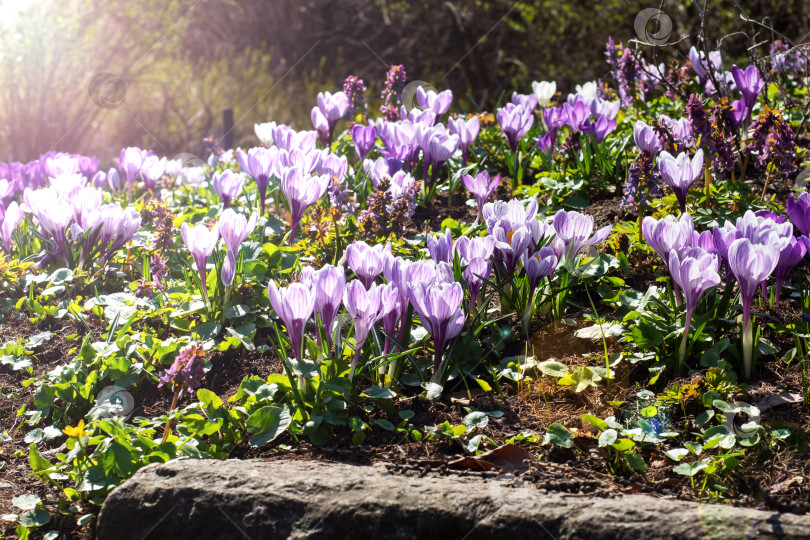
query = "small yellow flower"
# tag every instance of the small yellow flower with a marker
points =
(75, 432)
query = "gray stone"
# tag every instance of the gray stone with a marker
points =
(311, 500)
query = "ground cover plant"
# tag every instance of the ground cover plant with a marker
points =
(613, 281)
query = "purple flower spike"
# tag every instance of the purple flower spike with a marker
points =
(751, 264)
(680, 172)
(789, 257)
(234, 228)
(749, 82)
(187, 369)
(227, 185)
(798, 211)
(364, 138)
(260, 163)
(301, 192)
(329, 284)
(439, 309)
(695, 272)
(574, 229)
(440, 246)
(200, 242)
(367, 262)
(294, 305)
(13, 216)
(646, 138)
(364, 307)
(482, 187)
(515, 122)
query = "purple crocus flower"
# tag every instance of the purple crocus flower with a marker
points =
(510, 246)
(329, 284)
(740, 113)
(749, 82)
(234, 228)
(130, 163)
(301, 192)
(478, 247)
(646, 138)
(515, 122)
(668, 234)
(294, 305)
(538, 266)
(576, 113)
(515, 212)
(12, 217)
(575, 229)
(789, 257)
(439, 309)
(260, 163)
(364, 307)
(438, 103)
(751, 264)
(679, 173)
(52, 213)
(798, 210)
(201, 242)
(440, 246)
(390, 313)
(152, 170)
(527, 101)
(599, 128)
(546, 142)
(364, 138)
(482, 186)
(227, 185)
(694, 271)
(478, 270)
(330, 109)
(467, 132)
(367, 262)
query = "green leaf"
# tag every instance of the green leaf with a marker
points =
(581, 377)
(35, 518)
(690, 469)
(780, 433)
(636, 461)
(704, 417)
(552, 368)
(268, 423)
(434, 390)
(26, 502)
(484, 385)
(385, 424)
(694, 447)
(607, 438)
(38, 339)
(475, 420)
(243, 334)
(623, 445)
(598, 423)
(560, 435)
(676, 454)
(378, 392)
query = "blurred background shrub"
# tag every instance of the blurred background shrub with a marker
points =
(92, 76)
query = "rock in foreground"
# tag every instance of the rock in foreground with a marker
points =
(308, 500)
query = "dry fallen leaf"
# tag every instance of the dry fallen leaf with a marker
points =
(508, 458)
